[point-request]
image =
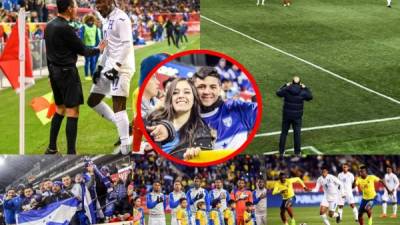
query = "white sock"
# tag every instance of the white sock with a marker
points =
(105, 111)
(384, 208)
(389, 2)
(325, 219)
(355, 213)
(395, 209)
(340, 211)
(122, 122)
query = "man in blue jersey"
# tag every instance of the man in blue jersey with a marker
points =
(232, 120)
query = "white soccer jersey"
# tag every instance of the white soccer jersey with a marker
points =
(117, 30)
(261, 206)
(192, 194)
(176, 197)
(332, 187)
(392, 181)
(223, 195)
(347, 180)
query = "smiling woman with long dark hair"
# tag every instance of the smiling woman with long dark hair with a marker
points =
(182, 110)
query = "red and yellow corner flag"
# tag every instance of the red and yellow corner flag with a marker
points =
(9, 60)
(44, 107)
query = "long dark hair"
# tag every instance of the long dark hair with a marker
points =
(167, 113)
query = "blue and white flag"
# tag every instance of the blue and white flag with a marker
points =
(57, 213)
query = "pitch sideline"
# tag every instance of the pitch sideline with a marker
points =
(304, 61)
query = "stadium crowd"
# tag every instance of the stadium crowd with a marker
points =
(114, 196)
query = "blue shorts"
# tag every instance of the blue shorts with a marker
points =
(288, 202)
(366, 204)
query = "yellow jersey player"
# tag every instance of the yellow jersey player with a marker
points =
(201, 214)
(285, 187)
(138, 213)
(215, 213)
(366, 183)
(230, 213)
(182, 215)
(248, 215)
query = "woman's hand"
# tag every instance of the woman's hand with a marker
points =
(191, 153)
(158, 132)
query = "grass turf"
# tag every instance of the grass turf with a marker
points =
(95, 135)
(354, 39)
(310, 216)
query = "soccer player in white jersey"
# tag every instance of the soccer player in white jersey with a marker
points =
(195, 195)
(262, 2)
(333, 190)
(156, 203)
(348, 181)
(392, 182)
(389, 3)
(115, 69)
(174, 198)
(220, 193)
(260, 202)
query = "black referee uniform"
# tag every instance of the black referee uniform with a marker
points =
(63, 47)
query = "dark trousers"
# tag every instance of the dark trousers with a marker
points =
(296, 125)
(170, 36)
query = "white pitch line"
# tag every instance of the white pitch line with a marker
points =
(304, 61)
(333, 126)
(312, 148)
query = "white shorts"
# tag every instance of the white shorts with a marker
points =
(349, 199)
(156, 220)
(118, 87)
(261, 219)
(331, 205)
(389, 198)
(173, 220)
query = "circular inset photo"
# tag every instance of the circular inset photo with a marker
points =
(199, 108)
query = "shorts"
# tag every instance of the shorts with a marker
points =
(117, 87)
(365, 204)
(174, 221)
(66, 86)
(331, 205)
(287, 202)
(261, 219)
(389, 198)
(156, 220)
(349, 199)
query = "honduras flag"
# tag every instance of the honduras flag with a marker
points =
(57, 213)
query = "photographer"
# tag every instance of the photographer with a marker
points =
(294, 94)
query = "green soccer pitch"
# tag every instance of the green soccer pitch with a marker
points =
(310, 216)
(95, 135)
(346, 51)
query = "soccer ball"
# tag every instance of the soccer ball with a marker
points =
(303, 224)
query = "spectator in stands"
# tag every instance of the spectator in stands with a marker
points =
(9, 209)
(57, 194)
(90, 35)
(294, 94)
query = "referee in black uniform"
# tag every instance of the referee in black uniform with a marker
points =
(63, 47)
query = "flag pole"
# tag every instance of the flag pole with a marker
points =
(21, 36)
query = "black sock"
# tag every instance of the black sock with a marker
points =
(54, 129)
(71, 130)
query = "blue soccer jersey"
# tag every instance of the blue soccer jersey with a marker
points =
(233, 121)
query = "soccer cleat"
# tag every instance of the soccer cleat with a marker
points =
(88, 78)
(338, 219)
(125, 149)
(383, 215)
(394, 216)
(389, 6)
(50, 151)
(292, 222)
(370, 221)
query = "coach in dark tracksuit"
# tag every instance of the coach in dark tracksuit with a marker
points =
(294, 94)
(62, 48)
